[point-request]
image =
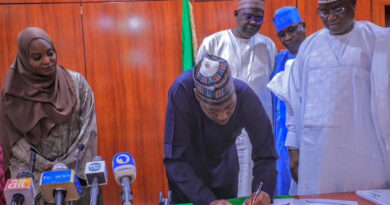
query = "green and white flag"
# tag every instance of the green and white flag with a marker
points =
(188, 36)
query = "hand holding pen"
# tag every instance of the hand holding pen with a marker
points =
(257, 192)
(259, 197)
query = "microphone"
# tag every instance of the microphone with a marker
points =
(60, 184)
(33, 158)
(123, 166)
(21, 190)
(96, 174)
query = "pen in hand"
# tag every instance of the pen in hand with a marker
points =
(257, 192)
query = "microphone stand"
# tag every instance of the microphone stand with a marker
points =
(79, 148)
(94, 191)
(59, 197)
(126, 194)
(17, 199)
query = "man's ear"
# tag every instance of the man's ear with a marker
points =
(303, 25)
(354, 5)
(236, 13)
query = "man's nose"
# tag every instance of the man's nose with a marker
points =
(332, 17)
(222, 116)
(288, 36)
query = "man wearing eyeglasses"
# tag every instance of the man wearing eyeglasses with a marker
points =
(291, 31)
(338, 104)
(251, 56)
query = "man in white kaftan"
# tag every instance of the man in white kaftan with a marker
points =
(251, 57)
(338, 104)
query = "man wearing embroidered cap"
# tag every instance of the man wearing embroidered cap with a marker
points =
(251, 57)
(207, 109)
(291, 32)
(338, 104)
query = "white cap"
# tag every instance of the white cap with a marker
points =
(209, 67)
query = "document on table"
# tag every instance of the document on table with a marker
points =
(381, 197)
(289, 201)
(313, 202)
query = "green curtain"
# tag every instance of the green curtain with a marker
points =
(186, 37)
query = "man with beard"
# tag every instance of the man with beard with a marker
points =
(251, 57)
(337, 102)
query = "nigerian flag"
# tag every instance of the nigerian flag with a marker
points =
(188, 37)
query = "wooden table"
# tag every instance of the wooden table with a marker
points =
(350, 196)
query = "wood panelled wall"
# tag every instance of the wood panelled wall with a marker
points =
(130, 53)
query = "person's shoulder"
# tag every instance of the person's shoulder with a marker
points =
(243, 89)
(76, 76)
(216, 36)
(318, 34)
(309, 41)
(79, 80)
(264, 39)
(184, 80)
(366, 27)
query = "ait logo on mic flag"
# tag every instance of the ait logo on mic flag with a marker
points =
(22, 186)
(23, 183)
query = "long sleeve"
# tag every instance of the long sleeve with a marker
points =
(263, 147)
(88, 130)
(293, 103)
(178, 153)
(380, 89)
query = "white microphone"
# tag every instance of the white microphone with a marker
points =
(60, 184)
(21, 190)
(123, 166)
(96, 174)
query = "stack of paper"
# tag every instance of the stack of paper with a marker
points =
(380, 197)
(313, 202)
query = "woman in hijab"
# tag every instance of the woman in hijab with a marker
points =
(46, 108)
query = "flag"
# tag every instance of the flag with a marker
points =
(188, 36)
